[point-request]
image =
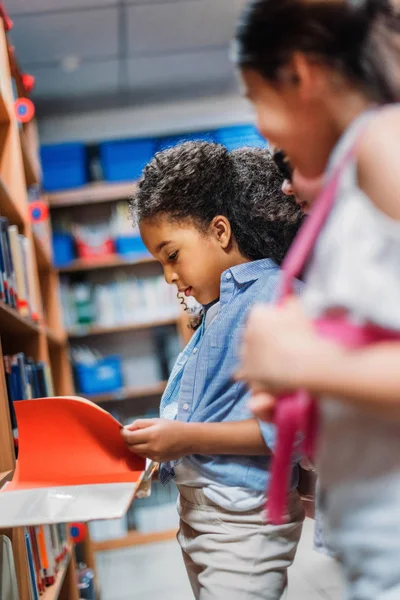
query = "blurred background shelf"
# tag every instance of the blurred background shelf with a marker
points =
(135, 539)
(106, 262)
(93, 193)
(130, 393)
(92, 331)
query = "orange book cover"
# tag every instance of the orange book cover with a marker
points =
(70, 441)
(73, 465)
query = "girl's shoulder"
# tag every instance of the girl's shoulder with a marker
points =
(377, 161)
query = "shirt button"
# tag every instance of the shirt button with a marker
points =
(185, 406)
(195, 351)
(228, 276)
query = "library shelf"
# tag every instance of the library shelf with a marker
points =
(130, 393)
(43, 257)
(53, 591)
(16, 214)
(134, 538)
(93, 193)
(106, 262)
(12, 322)
(4, 112)
(82, 332)
(32, 168)
(5, 476)
(55, 337)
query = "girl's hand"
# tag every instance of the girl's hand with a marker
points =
(281, 350)
(157, 439)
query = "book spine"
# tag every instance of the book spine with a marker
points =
(16, 254)
(39, 545)
(33, 298)
(10, 267)
(25, 383)
(3, 252)
(36, 559)
(11, 397)
(32, 571)
(51, 565)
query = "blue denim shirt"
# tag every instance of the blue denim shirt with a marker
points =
(202, 383)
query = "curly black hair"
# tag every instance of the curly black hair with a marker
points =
(199, 180)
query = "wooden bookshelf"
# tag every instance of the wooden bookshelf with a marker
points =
(44, 340)
(12, 322)
(53, 592)
(93, 193)
(130, 393)
(43, 257)
(83, 332)
(135, 538)
(106, 262)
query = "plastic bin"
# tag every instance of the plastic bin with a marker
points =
(130, 246)
(240, 136)
(173, 140)
(63, 249)
(104, 376)
(125, 160)
(64, 166)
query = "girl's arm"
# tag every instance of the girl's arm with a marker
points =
(162, 440)
(282, 352)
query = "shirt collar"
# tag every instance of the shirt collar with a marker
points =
(250, 271)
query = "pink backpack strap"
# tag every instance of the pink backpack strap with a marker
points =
(297, 413)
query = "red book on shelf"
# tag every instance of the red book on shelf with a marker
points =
(72, 465)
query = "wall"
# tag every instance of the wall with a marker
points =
(155, 119)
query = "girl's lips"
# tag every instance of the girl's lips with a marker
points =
(188, 292)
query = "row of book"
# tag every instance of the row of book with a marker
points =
(26, 379)
(47, 548)
(17, 286)
(123, 300)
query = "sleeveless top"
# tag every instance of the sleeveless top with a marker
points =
(355, 267)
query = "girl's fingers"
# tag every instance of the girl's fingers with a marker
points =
(262, 406)
(133, 438)
(140, 449)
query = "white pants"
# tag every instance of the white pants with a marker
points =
(236, 556)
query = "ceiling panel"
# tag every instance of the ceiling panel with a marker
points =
(180, 25)
(20, 7)
(47, 38)
(88, 79)
(182, 69)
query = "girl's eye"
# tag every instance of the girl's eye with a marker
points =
(173, 256)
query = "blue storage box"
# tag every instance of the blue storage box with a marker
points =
(104, 376)
(173, 140)
(239, 137)
(63, 249)
(130, 245)
(64, 166)
(125, 160)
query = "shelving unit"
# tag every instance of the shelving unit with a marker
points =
(83, 332)
(130, 393)
(106, 262)
(135, 539)
(44, 339)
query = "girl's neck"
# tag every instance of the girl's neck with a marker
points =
(345, 108)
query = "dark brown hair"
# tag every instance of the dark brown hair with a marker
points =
(197, 181)
(356, 38)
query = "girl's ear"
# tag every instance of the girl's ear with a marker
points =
(221, 229)
(305, 75)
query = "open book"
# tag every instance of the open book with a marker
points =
(73, 465)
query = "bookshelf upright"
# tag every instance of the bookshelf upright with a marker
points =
(42, 338)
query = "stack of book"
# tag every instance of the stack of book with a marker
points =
(17, 288)
(25, 379)
(124, 300)
(47, 548)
